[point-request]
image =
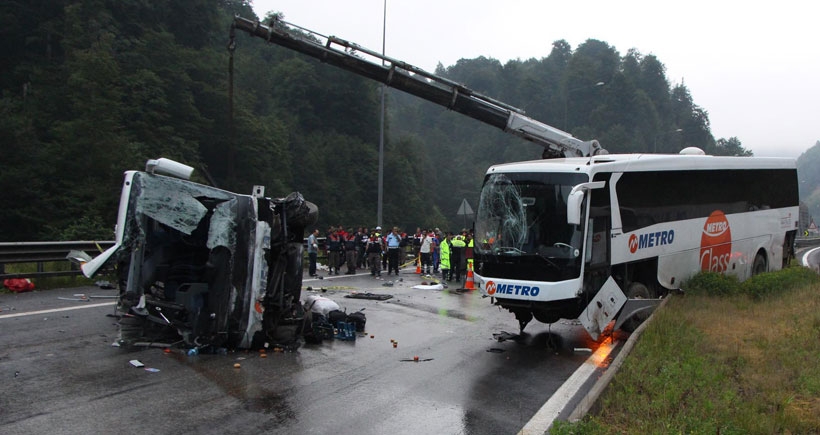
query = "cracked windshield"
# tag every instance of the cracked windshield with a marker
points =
(526, 214)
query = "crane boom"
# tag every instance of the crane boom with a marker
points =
(415, 81)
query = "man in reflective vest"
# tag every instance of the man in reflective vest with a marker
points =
(444, 256)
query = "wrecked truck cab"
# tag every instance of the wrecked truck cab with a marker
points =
(205, 266)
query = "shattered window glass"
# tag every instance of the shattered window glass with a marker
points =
(526, 214)
(174, 202)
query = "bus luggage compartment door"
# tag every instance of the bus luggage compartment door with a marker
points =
(603, 308)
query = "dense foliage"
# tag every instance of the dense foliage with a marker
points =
(809, 176)
(91, 88)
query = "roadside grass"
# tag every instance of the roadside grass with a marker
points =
(724, 357)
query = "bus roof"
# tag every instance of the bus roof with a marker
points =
(644, 163)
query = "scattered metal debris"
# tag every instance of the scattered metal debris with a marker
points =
(368, 295)
(504, 336)
(136, 363)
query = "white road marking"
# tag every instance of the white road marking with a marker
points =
(806, 257)
(55, 310)
(543, 419)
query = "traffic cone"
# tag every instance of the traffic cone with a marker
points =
(418, 265)
(469, 283)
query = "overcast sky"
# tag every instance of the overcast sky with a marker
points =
(753, 66)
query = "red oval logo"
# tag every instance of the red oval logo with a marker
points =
(490, 287)
(715, 243)
(633, 243)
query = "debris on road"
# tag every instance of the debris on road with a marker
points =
(504, 336)
(105, 285)
(429, 286)
(368, 295)
(416, 359)
(82, 299)
(136, 363)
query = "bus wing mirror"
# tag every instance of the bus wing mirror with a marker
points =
(576, 199)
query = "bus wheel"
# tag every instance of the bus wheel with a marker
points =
(636, 290)
(759, 266)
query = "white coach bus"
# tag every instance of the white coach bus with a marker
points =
(579, 237)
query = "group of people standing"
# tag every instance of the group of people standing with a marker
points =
(375, 251)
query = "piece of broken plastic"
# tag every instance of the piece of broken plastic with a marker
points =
(373, 296)
(136, 363)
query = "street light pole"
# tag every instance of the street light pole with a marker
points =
(660, 135)
(381, 129)
(566, 99)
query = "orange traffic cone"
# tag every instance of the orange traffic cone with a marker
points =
(469, 283)
(418, 265)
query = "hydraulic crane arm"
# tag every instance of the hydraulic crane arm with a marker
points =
(415, 81)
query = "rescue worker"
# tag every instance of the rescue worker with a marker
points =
(468, 251)
(393, 244)
(374, 251)
(456, 256)
(313, 251)
(364, 236)
(426, 252)
(436, 242)
(350, 251)
(444, 256)
(334, 251)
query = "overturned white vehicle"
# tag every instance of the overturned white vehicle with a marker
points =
(205, 266)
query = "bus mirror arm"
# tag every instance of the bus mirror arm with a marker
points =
(576, 199)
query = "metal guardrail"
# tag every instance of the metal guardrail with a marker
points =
(806, 241)
(43, 252)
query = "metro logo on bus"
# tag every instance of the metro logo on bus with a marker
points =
(715, 243)
(649, 240)
(509, 289)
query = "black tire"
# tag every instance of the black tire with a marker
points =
(759, 266)
(636, 290)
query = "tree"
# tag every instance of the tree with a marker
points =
(731, 147)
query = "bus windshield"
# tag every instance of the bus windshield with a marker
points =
(525, 214)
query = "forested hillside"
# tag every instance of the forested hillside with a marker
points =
(808, 172)
(91, 88)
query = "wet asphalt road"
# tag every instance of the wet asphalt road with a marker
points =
(60, 374)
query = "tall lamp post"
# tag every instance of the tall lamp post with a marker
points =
(566, 99)
(660, 135)
(381, 130)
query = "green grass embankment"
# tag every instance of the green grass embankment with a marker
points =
(723, 358)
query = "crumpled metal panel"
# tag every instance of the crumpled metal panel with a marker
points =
(174, 202)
